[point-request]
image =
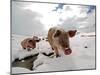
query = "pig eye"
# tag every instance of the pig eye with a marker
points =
(58, 32)
(30, 41)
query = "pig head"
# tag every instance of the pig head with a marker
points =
(59, 40)
(37, 39)
(28, 43)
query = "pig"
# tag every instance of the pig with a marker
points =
(58, 38)
(36, 38)
(28, 43)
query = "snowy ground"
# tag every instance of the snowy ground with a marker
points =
(81, 57)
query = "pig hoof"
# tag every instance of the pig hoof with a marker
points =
(57, 55)
(24, 48)
(52, 49)
(28, 49)
(85, 47)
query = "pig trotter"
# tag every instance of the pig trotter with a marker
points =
(28, 49)
(57, 55)
(24, 48)
(52, 49)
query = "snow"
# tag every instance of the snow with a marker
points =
(16, 70)
(82, 57)
(19, 53)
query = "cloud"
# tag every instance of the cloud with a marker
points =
(25, 21)
(29, 18)
(90, 22)
(68, 8)
(80, 20)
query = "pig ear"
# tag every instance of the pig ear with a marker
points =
(72, 33)
(58, 32)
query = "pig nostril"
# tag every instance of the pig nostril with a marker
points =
(67, 51)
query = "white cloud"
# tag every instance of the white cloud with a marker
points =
(25, 21)
(40, 16)
(77, 18)
(51, 18)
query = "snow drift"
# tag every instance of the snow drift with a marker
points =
(82, 57)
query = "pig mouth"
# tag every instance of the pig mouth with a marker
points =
(67, 51)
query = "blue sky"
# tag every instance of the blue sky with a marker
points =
(60, 6)
(90, 9)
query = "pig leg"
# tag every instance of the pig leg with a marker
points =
(23, 47)
(28, 48)
(33, 47)
(52, 48)
(56, 53)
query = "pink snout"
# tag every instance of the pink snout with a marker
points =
(67, 51)
(32, 47)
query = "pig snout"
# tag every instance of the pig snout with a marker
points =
(28, 43)
(29, 47)
(32, 46)
(67, 51)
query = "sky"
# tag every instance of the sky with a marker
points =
(29, 18)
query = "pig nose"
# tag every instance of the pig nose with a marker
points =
(67, 51)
